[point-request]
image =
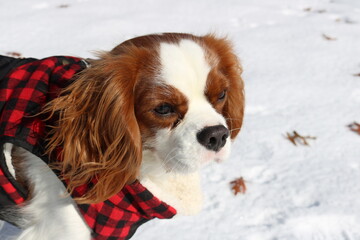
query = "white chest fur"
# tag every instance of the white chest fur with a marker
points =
(181, 191)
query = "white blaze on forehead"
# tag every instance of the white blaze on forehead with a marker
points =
(184, 67)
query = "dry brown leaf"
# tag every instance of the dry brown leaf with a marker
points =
(297, 138)
(356, 75)
(238, 186)
(13, 54)
(307, 9)
(355, 127)
(326, 37)
(63, 6)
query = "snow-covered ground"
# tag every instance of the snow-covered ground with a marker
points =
(295, 78)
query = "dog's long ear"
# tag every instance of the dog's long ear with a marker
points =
(229, 65)
(97, 128)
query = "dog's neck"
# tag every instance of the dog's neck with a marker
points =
(181, 191)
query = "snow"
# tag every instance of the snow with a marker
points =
(295, 80)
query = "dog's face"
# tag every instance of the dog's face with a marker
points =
(180, 107)
(177, 95)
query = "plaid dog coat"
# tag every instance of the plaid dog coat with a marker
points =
(25, 86)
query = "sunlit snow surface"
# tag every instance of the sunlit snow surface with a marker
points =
(295, 80)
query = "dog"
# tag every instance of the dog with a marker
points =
(93, 148)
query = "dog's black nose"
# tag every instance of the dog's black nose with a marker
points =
(214, 137)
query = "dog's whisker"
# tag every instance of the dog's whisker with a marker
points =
(231, 130)
(169, 153)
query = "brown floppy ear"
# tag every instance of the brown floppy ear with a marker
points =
(230, 67)
(97, 128)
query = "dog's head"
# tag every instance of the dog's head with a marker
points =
(177, 95)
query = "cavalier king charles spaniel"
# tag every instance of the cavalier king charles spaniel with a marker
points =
(155, 109)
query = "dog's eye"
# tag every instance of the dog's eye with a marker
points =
(164, 109)
(222, 95)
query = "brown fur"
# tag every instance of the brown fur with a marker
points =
(97, 127)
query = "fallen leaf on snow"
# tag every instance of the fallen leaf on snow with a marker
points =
(355, 127)
(13, 54)
(326, 37)
(238, 185)
(297, 138)
(63, 6)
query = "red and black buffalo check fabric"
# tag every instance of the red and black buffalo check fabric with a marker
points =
(24, 89)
